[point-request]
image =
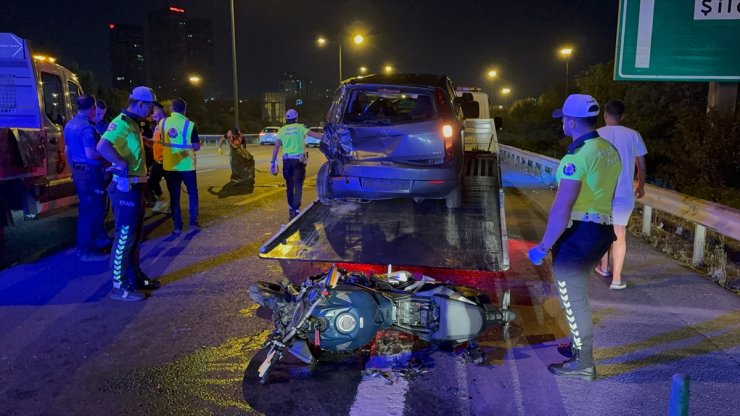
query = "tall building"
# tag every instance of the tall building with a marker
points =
(168, 50)
(293, 85)
(199, 43)
(273, 107)
(128, 64)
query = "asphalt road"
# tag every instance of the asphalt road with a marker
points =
(193, 346)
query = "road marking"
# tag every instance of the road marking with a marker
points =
(206, 170)
(376, 397)
(644, 34)
(212, 155)
(260, 196)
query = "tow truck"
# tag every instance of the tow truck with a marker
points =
(37, 96)
(412, 233)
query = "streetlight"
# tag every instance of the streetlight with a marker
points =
(357, 39)
(566, 53)
(363, 70)
(505, 92)
(492, 74)
(388, 69)
(233, 60)
(195, 80)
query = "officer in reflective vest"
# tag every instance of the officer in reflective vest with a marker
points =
(122, 145)
(180, 141)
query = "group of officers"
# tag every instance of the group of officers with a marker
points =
(110, 161)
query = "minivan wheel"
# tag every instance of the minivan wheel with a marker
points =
(322, 184)
(454, 199)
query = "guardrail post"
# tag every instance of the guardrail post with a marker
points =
(679, 402)
(700, 242)
(647, 219)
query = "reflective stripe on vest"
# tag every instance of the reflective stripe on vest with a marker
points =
(178, 153)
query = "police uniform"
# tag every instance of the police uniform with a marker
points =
(124, 134)
(88, 176)
(177, 135)
(294, 163)
(596, 164)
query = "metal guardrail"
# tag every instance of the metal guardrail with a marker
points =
(207, 139)
(704, 214)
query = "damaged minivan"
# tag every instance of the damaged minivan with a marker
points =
(393, 136)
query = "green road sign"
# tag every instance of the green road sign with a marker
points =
(678, 40)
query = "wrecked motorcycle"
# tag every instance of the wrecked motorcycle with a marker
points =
(342, 311)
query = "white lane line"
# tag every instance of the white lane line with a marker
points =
(202, 156)
(461, 373)
(205, 170)
(376, 397)
(644, 34)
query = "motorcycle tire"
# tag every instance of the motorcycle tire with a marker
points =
(266, 294)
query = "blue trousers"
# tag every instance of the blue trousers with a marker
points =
(294, 172)
(174, 180)
(128, 211)
(574, 257)
(89, 183)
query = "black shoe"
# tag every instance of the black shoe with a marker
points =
(147, 284)
(176, 231)
(573, 368)
(195, 227)
(565, 350)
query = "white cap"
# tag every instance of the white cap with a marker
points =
(144, 94)
(578, 105)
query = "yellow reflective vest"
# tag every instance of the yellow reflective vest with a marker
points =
(175, 134)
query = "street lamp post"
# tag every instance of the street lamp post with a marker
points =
(357, 39)
(492, 74)
(505, 92)
(566, 53)
(233, 60)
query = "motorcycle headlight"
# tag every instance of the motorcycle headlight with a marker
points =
(346, 323)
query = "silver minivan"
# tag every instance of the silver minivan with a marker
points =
(393, 136)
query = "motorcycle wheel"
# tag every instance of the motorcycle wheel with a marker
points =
(265, 293)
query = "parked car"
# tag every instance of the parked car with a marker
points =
(268, 135)
(312, 141)
(393, 136)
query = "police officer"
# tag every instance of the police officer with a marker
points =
(122, 145)
(290, 137)
(88, 173)
(180, 141)
(579, 228)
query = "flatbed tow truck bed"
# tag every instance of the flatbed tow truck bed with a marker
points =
(405, 233)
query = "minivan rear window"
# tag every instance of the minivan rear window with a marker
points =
(383, 105)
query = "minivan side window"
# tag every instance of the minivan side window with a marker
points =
(74, 92)
(53, 97)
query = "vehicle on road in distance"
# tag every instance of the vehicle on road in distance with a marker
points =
(312, 141)
(38, 98)
(393, 136)
(268, 135)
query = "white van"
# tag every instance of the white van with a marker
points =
(37, 97)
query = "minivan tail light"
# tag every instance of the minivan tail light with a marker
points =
(447, 131)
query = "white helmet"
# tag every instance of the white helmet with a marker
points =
(291, 114)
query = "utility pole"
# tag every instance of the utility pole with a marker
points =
(233, 60)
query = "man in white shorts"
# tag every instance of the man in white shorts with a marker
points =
(631, 147)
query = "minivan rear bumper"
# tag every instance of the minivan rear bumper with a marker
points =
(373, 180)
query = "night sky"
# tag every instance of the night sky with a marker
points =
(461, 38)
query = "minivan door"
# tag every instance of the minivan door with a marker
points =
(55, 110)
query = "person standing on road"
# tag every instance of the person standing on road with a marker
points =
(123, 146)
(180, 141)
(632, 151)
(156, 170)
(579, 228)
(241, 160)
(290, 138)
(88, 175)
(101, 123)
